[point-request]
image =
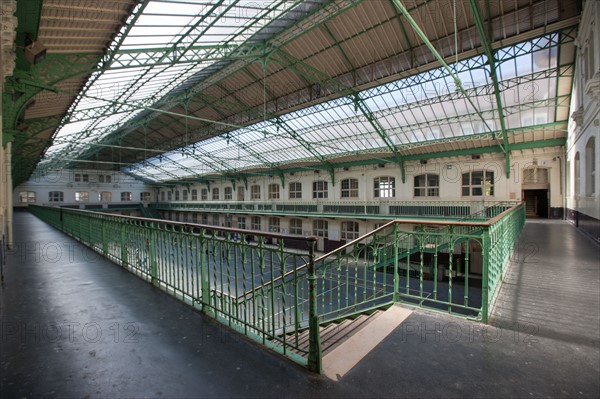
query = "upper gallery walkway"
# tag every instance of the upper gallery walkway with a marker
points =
(75, 325)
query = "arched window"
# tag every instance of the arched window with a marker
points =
(162, 196)
(384, 187)
(215, 194)
(204, 194)
(349, 230)
(273, 191)
(194, 194)
(295, 226)
(590, 167)
(349, 188)
(169, 195)
(321, 228)
(427, 185)
(274, 225)
(295, 190)
(255, 192)
(228, 193)
(185, 195)
(320, 189)
(176, 195)
(105, 196)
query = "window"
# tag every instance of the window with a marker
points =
(295, 226)
(255, 192)
(242, 222)
(215, 194)
(145, 196)
(296, 190)
(26, 197)
(185, 195)
(162, 196)
(215, 220)
(85, 178)
(194, 217)
(105, 196)
(256, 223)
(127, 196)
(170, 195)
(427, 185)
(228, 193)
(108, 178)
(176, 195)
(204, 194)
(274, 225)
(590, 167)
(77, 177)
(240, 193)
(474, 183)
(82, 196)
(194, 195)
(349, 230)
(204, 218)
(384, 187)
(100, 178)
(320, 189)
(56, 196)
(350, 188)
(273, 191)
(321, 228)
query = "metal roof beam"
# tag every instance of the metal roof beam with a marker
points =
(313, 74)
(489, 52)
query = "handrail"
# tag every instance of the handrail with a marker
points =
(373, 232)
(186, 224)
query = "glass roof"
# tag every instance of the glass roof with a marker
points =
(197, 30)
(421, 108)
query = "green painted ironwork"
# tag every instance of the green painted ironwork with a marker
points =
(281, 297)
(452, 210)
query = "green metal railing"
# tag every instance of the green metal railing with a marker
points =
(372, 209)
(256, 284)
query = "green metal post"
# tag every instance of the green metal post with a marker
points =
(204, 272)
(314, 340)
(124, 260)
(151, 243)
(396, 262)
(485, 249)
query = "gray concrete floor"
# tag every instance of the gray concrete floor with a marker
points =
(76, 325)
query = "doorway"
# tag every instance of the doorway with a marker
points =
(536, 203)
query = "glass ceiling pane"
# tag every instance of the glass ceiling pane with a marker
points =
(161, 24)
(420, 108)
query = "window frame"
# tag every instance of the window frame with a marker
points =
(384, 192)
(349, 191)
(320, 189)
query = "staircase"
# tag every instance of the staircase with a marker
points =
(333, 334)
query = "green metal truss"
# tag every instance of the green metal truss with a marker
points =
(491, 57)
(333, 85)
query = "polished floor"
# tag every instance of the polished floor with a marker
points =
(76, 325)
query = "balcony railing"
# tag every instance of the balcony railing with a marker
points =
(369, 209)
(256, 284)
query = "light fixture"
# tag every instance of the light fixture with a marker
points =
(35, 51)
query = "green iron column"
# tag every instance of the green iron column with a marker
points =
(314, 338)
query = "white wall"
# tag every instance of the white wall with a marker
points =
(585, 115)
(64, 180)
